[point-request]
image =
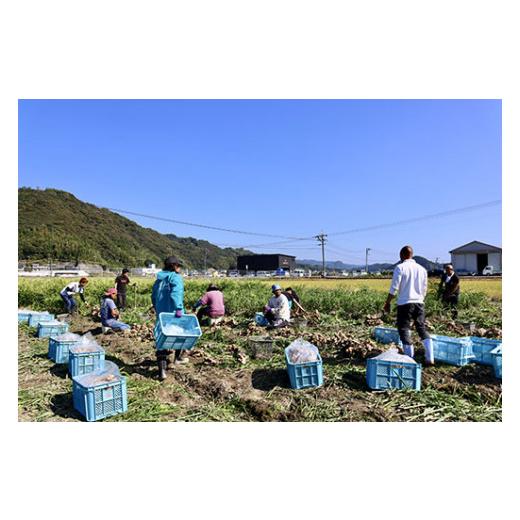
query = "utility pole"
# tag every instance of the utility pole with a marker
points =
(322, 238)
(205, 260)
(366, 259)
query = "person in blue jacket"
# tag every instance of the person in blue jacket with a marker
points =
(168, 296)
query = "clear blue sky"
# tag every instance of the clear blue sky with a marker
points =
(291, 168)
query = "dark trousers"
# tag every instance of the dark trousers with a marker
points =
(202, 313)
(165, 354)
(121, 300)
(274, 323)
(451, 302)
(70, 303)
(408, 314)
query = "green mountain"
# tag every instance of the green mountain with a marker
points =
(55, 224)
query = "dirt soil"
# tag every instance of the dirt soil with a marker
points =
(222, 382)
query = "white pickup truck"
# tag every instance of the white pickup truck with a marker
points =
(489, 270)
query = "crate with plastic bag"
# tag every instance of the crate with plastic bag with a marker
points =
(393, 370)
(51, 328)
(304, 364)
(86, 356)
(101, 393)
(59, 346)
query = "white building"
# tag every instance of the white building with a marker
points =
(63, 273)
(145, 271)
(473, 257)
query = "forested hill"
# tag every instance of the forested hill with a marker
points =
(54, 223)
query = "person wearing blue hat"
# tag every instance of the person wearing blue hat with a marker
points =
(277, 311)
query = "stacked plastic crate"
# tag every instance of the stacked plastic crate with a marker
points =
(393, 370)
(59, 346)
(50, 328)
(36, 318)
(100, 393)
(496, 353)
(304, 365)
(482, 348)
(452, 351)
(24, 315)
(98, 389)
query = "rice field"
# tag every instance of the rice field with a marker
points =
(491, 287)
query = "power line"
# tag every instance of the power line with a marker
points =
(321, 237)
(215, 228)
(420, 219)
(269, 244)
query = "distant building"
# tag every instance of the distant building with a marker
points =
(265, 263)
(145, 271)
(475, 256)
(62, 273)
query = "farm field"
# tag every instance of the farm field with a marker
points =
(490, 286)
(223, 383)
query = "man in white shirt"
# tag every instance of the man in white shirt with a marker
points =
(277, 310)
(410, 280)
(68, 292)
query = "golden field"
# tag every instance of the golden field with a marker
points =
(492, 287)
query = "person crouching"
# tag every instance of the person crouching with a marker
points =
(277, 311)
(109, 312)
(211, 305)
(71, 289)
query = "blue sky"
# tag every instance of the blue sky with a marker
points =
(283, 167)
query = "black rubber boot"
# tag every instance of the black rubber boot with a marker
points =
(162, 362)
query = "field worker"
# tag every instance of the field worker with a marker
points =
(449, 289)
(410, 280)
(211, 304)
(122, 281)
(294, 300)
(68, 292)
(109, 313)
(168, 296)
(277, 311)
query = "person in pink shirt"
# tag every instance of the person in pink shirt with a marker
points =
(211, 304)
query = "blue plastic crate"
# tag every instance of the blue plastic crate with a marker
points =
(482, 348)
(496, 353)
(260, 319)
(59, 349)
(23, 316)
(164, 341)
(453, 351)
(81, 363)
(387, 335)
(305, 375)
(40, 317)
(96, 396)
(382, 375)
(52, 328)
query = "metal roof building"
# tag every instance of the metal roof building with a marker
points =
(474, 256)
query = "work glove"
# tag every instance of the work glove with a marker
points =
(178, 314)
